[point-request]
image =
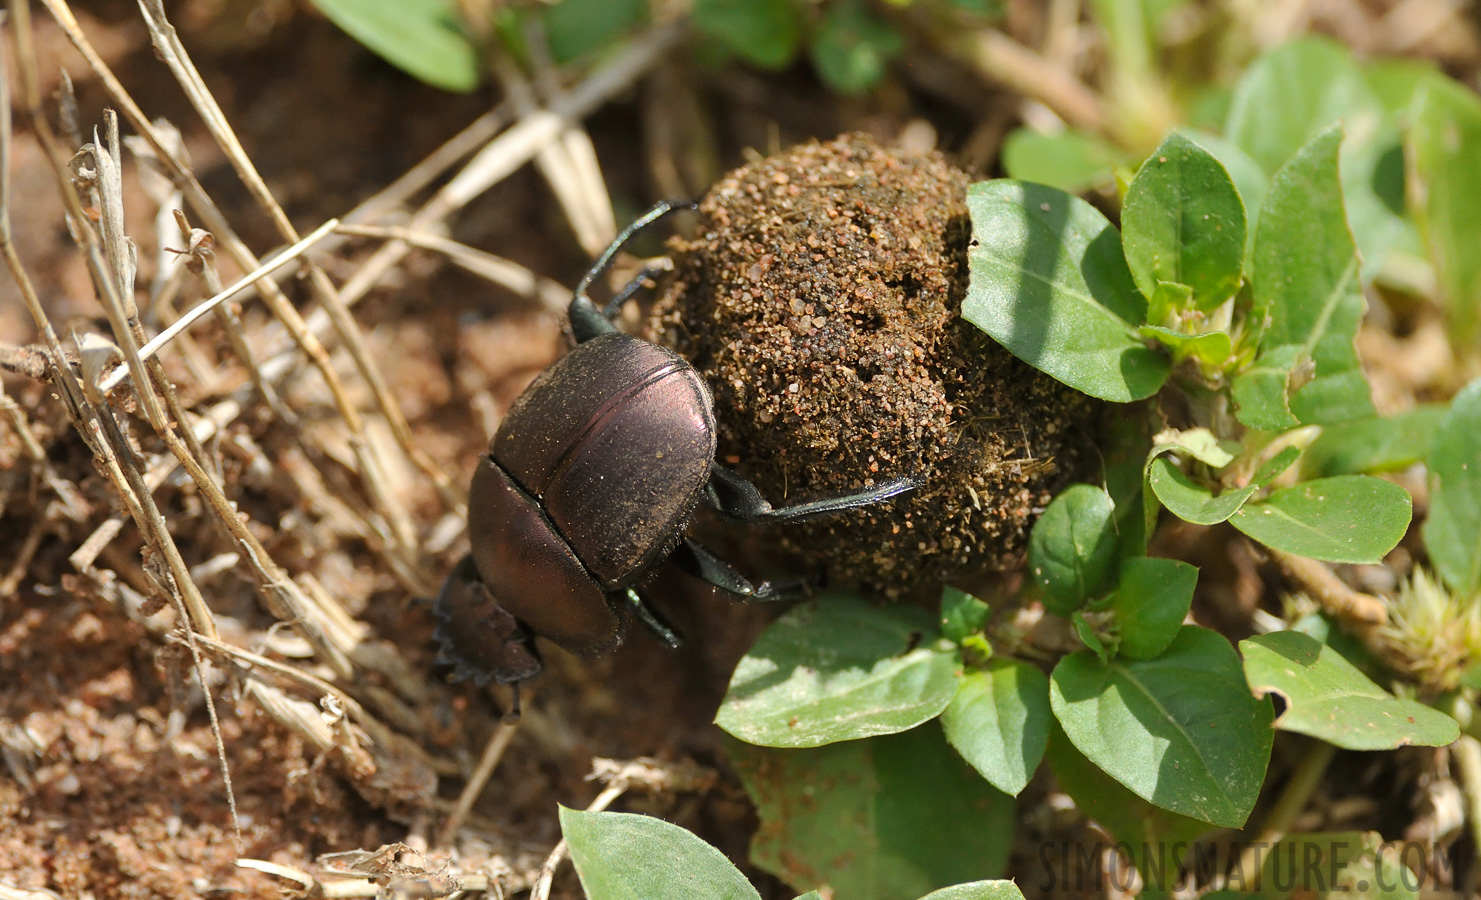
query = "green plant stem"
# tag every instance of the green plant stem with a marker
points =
(1292, 800)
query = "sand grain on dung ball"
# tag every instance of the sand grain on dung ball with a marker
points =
(820, 299)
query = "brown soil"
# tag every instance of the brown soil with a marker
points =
(821, 300)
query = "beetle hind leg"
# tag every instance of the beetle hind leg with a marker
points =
(735, 497)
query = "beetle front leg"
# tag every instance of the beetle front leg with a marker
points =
(589, 320)
(734, 497)
(650, 270)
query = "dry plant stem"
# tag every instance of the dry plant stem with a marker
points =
(377, 731)
(1293, 799)
(171, 225)
(7, 892)
(283, 597)
(113, 275)
(576, 141)
(18, 422)
(117, 457)
(159, 469)
(167, 44)
(205, 374)
(211, 215)
(1329, 591)
(236, 334)
(74, 507)
(507, 274)
(1004, 60)
(221, 295)
(184, 586)
(348, 887)
(30, 100)
(516, 146)
(20, 562)
(1410, 22)
(1061, 33)
(120, 256)
(563, 169)
(492, 753)
(466, 142)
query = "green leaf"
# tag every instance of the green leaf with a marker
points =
(1152, 598)
(1306, 280)
(1373, 186)
(1180, 730)
(1272, 468)
(1089, 637)
(1189, 500)
(1145, 829)
(1332, 865)
(1261, 391)
(1250, 180)
(1072, 161)
(1293, 92)
(1168, 302)
(978, 890)
(1183, 222)
(1452, 533)
(838, 669)
(1200, 444)
(853, 48)
(1374, 445)
(962, 615)
(621, 856)
(1397, 80)
(889, 818)
(421, 37)
(1327, 697)
(1444, 144)
(1210, 348)
(766, 33)
(999, 722)
(1049, 282)
(1348, 518)
(1326, 629)
(576, 27)
(1073, 546)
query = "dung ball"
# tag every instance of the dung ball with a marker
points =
(820, 299)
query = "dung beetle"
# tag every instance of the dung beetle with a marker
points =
(588, 485)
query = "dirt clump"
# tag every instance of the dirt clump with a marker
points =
(821, 301)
